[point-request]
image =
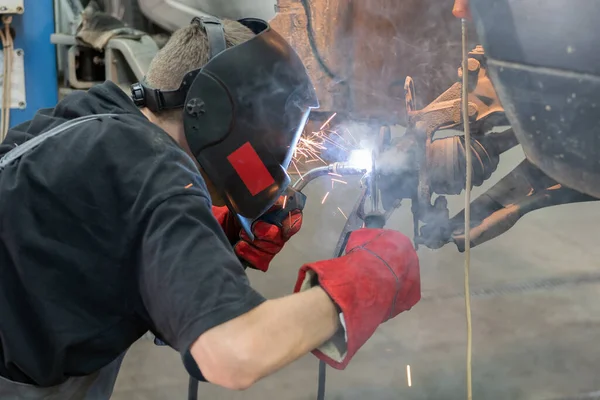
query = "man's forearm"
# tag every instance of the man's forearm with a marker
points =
(258, 343)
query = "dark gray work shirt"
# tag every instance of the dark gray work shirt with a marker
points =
(106, 232)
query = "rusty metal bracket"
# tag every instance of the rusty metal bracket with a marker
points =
(484, 111)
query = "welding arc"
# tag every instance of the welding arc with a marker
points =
(469, 165)
(313, 44)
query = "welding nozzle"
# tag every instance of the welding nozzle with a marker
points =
(338, 168)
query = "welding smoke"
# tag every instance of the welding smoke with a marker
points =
(394, 160)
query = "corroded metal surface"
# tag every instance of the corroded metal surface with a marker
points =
(372, 45)
(332, 36)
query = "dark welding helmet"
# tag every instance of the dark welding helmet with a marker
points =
(243, 114)
(544, 60)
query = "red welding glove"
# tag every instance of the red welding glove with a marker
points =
(376, 280)
(269, 239)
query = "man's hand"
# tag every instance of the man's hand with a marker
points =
(461, 9)
(269, 239)
(376, 280)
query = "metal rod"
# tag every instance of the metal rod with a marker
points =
(373, 184)
(465, 117)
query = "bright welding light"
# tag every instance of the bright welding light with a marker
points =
(361, 159)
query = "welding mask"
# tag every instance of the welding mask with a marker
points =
(243, 114)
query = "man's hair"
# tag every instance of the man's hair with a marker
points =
(188, 49)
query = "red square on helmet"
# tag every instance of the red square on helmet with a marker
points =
(250, 168)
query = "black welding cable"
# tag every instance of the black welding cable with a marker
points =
(193, 389)
(322, 377)
(313, 44)
(196, 375)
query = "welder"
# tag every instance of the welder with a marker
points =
(118, 215)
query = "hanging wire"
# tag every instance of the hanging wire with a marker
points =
(469, 163)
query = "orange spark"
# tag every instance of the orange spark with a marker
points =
(284, 201)
(327, 122)
(340, 210)
(297, 170)
(310, 146)
(324, 198)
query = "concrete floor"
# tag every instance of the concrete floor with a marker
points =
(536, 344)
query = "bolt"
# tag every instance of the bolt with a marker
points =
(3, 8)
(19, 53)
(19, 10)
(21, 104)
(195, 107)
(473, 65)
(440, 204)
(472, 109)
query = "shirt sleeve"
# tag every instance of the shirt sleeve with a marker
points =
(190, 278)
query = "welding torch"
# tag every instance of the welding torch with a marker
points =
(337, 168)
(294, 199)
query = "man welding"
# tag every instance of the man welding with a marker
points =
(117, 217)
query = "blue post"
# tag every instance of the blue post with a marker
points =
(32, 34)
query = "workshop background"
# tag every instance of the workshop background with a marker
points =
(536, 288)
